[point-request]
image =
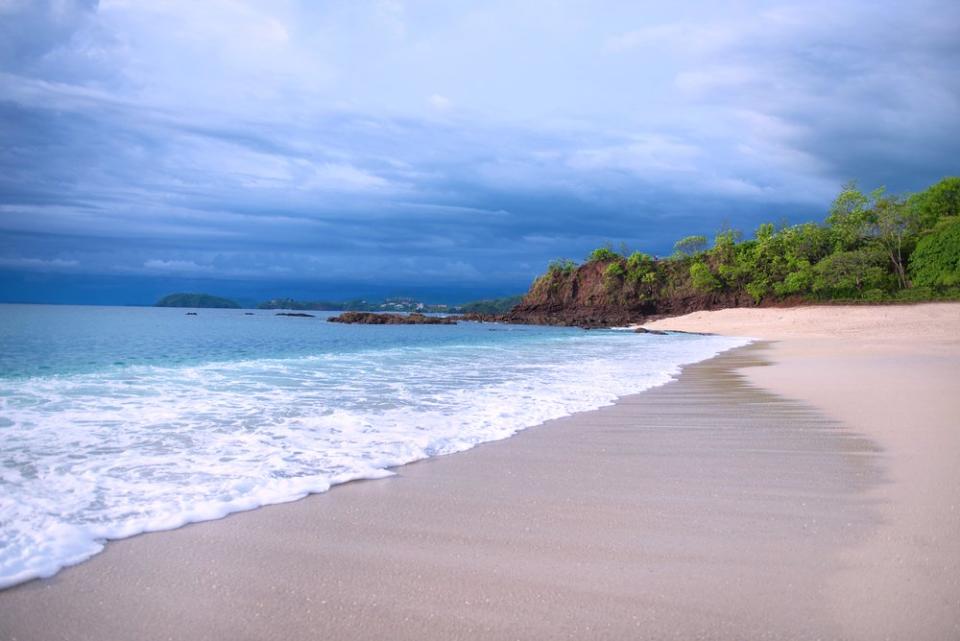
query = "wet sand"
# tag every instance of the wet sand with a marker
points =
(708, 508)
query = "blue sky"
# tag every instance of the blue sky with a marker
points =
(449, 149)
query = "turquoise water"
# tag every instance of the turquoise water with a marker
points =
(116, 421)
(43, 340)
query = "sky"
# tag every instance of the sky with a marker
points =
(445, 149)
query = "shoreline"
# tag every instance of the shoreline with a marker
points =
(487, 417)
(659, 515)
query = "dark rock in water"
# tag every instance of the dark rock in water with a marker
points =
(248, 313)
(373, 318)
(297, 314)
(644, 330)
(190, 314)
(677, 331)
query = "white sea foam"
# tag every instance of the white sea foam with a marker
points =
(92, 457)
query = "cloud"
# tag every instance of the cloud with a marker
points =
(187, 266)
(676, 37)
(440, 103)
(643, 155)
(39, 264)
(31, 29)
(342, 176)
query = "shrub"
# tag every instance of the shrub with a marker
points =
(561, 266)
(615, 270)
(613, 275)
(639, 266)
(602, 255)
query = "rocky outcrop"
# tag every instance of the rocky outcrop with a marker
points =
(588, 296)
(372, 318)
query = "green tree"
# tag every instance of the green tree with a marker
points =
(798, 281)
(941, 200)
(894, 226)
(801, 247)
(849, 214)
(690, 245)
(702, 278)
(850, 274)
(936, 260)
(724, 246)
(738, 264)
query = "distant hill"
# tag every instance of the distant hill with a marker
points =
(289, 303)
(356, 305)
(196, 300)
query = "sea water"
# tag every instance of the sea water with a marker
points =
(121, 420)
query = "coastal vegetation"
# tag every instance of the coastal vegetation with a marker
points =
(196, 300)
(871, 247)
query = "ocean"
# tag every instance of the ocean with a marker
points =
(121, 420)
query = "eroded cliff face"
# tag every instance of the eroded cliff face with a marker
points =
(578, 297)
(590, 296)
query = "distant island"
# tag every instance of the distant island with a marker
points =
(196, 300)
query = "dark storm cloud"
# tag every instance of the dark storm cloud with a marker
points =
(289, 142)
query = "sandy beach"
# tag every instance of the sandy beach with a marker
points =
(805, 487)
(890, 373)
